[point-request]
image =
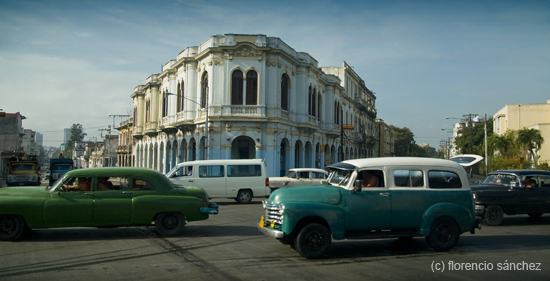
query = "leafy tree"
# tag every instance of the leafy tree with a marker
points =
(472, 139)
(515, 148)
(404, 141)
(77, 134)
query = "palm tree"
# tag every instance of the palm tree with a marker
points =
(530, 141)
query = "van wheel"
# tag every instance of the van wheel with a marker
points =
(170, 224)
(244, 196)
(444, 234)
(493, 215)
(11, 227)
(313, 241)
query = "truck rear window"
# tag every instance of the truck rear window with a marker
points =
(443, 179)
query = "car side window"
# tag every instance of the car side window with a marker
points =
(443, 179)
(244, 170)
(112, 183)
(371, 178)
(213, 171)
(184, 171)
(317, 175)
(544, 181)
(140, 184)
(408, 178)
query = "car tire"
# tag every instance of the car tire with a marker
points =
(11, 227)
(244, 196)
(170, 224)
(313, 241)
(493, 215)
(444, 234)
(535, 215)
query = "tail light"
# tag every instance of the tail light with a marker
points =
(266, 181)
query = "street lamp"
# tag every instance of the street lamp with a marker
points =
(206, 133)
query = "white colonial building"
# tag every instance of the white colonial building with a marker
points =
(251, 96)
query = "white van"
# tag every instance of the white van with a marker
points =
(240, 179)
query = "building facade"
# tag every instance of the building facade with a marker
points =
(125, 144)
(251, 96)
(385, 141)
(530, 116)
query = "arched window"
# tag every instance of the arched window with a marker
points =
(309, 101)
(319, 102)
(164, 104)
(147, 111)
(313, 102)
(252, 88)
(204, 89)
(237, 88)
(284, 92)
(181, 96)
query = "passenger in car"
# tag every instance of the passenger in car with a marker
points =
(527, 183)
(103, 183)
(369, 180)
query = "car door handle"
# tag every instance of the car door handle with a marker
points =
(190, 181)
(384, 194)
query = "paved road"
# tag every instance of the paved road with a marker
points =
(229, 247)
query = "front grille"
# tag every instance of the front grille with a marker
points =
(273, 216)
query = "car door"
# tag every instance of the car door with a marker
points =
(409, 198)
(370, 208)
(211, 178)
(544, 183)
(531, 200)
(113, 205)
(303, 178)
(69, 208)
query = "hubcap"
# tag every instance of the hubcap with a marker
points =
(315, 241)
(170, 222)
(444, 233)
(7, 225)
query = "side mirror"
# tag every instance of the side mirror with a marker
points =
(357, 186)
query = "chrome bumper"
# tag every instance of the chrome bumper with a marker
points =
(479, 210)
(271, 232)
(211, 209)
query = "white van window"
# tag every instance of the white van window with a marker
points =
(214, 171)
(244, 170)
(183, 171)
(408, 178)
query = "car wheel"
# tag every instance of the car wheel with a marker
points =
(535, 215)
(444, 234)
(493, 215)
(11, 227)
(170, 224)
(313, 241)
(244, 196)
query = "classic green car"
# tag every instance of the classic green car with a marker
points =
(103, 197)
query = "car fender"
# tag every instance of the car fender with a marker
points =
(29, 208)
(297, 213)
(464, 217)
(504, 198)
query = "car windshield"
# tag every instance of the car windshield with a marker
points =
(61, 167)
(339, 177)
(502, 179)
(53, 187)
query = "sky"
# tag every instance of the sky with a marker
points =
(77, 62)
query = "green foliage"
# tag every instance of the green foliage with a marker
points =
(516, 149)
(472, 139)
(405, 145)
(77, 134)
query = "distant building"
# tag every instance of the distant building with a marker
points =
(531, 116)
(28, 142)
(242, 96)
(385, 140)
(125, 143)
(66, 135)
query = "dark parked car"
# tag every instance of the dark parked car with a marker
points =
(512, 192)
